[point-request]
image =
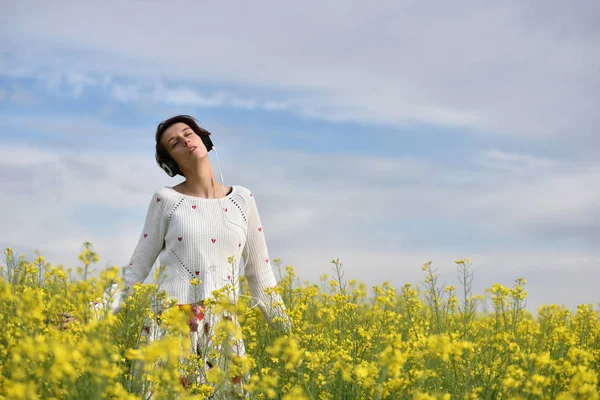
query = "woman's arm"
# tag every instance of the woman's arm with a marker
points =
(258, 269)
(148, 248)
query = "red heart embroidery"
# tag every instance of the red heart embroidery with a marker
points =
(228, 277)
(157, 199)
(179, 238)
(260, 229)
(267, 260)
(145, 235)
(197, 272)
(194, 206)
(250, 194)
(225, 209)
(213, 240)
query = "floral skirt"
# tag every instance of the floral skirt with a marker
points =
(202, 344)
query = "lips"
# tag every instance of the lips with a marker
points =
(192, 149)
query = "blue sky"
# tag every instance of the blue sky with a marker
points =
(383, 134)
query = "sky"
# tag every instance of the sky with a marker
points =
(386, 134)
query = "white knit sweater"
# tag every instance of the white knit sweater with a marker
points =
(195, 238)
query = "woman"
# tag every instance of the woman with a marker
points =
(200, 229)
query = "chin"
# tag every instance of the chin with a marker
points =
(199, 155)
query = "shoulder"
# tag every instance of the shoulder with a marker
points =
(243, 191)
(244, 194)
(164, 198)
(163, 193)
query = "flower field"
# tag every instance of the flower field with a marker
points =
(60, 340)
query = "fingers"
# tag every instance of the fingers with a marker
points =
(64, 321)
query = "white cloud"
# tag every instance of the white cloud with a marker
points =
(291, 220)
(515, 162)
(310, 218)
(275, 106)
(78, 82)
(513, 194)
(544, 195)
(15, 155)
(515, 69)
(186, 96)
(244, 103)
(126, 93)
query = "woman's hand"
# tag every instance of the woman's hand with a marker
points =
(65, 319)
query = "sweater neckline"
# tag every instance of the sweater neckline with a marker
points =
(196, 198)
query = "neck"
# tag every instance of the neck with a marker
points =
(200, 181)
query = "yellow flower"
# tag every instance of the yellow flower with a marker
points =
(296, 394)
(383, 343)
(19, 390)
(195, 282)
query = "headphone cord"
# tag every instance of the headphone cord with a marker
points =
(223, 215)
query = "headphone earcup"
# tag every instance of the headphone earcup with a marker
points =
(169, 166)
(207, 142)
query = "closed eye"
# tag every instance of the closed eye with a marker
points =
(176, 141)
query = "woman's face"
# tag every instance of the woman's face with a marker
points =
(183, 144)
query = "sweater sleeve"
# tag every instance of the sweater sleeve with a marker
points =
(150, 243)
(258, 271)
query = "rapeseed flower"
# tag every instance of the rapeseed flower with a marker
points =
(348, 341)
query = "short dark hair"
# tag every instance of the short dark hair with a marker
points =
(164, 125)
